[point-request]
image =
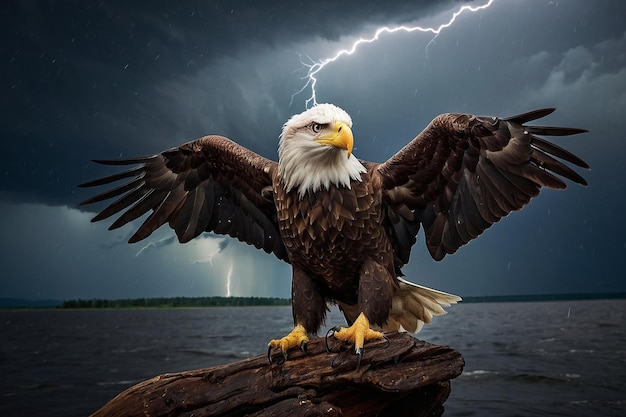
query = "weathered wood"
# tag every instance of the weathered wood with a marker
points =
(408, 377)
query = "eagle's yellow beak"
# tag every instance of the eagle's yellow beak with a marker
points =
(340, 137)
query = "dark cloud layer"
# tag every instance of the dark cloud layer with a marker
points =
(87, 80)
(84, 74)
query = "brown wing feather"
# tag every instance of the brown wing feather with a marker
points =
(463, 173)
(211, 184)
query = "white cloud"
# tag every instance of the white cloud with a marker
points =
(208, 248)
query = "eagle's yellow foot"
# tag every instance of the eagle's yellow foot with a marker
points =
(297, 337)
(358, 334)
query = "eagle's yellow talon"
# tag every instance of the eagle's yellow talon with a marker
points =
(297, 337)
(358, 334)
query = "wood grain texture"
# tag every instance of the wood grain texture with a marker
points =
(408, 377)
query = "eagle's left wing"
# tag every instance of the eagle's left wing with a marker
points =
(210, 184)
(463, 173)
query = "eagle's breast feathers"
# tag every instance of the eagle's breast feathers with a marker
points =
(331, 222)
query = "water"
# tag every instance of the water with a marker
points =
(564, 358)
(537, 359)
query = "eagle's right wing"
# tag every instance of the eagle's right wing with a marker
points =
(210, 184)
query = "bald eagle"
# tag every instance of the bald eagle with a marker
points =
(346, 225)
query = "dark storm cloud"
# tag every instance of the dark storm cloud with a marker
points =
(78, 75)
(59, 255)
(87, 80)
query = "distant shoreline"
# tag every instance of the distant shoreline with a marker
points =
(151, 302)
(218, 301)
(177, 302)
(544, 297)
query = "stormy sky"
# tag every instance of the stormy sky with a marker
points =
(84, 80)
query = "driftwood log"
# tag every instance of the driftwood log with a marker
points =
(407, 377)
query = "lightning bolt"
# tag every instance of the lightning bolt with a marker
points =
(228, 279)
(314, 67)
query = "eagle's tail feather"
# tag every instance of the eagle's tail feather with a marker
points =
(413, 305)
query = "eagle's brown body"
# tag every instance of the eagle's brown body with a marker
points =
(357, 260)
(347, 226)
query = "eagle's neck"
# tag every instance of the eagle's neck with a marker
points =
(307, 166)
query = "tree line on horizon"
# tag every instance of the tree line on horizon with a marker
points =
(173, 302)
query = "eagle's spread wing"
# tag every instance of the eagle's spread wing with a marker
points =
(210, 184)
(463, 173)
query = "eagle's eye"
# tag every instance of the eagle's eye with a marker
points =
(316, 127)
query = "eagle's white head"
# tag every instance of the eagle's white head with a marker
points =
(315, 150)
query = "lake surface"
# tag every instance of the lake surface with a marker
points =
(565, 358)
